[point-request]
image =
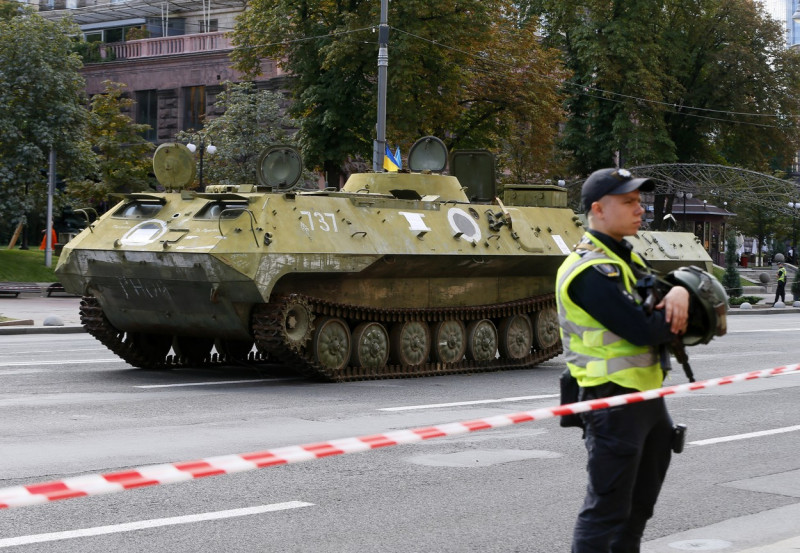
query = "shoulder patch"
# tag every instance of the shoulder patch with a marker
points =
(608, 269)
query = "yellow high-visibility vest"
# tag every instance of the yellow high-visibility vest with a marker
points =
(594, 354)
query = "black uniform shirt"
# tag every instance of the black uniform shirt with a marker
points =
(604, 298)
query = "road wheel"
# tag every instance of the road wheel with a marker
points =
(481, 340)
(370, 346)
(411, 343)
(331, 345)
(516, 337)
(449, 341)
(545, 324)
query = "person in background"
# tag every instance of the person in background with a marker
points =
(54, 238)
(614, 345)
(780, 291)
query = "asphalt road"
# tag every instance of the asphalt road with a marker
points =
(69, 407)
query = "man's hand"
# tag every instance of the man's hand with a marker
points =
(676, 309)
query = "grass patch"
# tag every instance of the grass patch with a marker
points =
(719, 272)
(25, 266)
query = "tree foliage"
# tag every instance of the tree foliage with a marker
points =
(9, 9)
(758, 221)
(122, 153)
(251, 121)
(675, 81)
(468, 71)
(41, 107)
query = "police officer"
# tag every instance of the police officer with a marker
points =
(614, 345)
(780, 291)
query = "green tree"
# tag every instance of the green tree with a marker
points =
(464, 70)
(659, 82)
(41, 107)
(9, 9)
(758, 221)
(730, 280)
(251, 121)
(123, 162)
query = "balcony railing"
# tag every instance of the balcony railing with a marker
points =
(166, 46)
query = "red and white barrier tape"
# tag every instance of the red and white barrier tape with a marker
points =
(95, 484)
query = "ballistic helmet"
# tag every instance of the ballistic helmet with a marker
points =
(708, 307)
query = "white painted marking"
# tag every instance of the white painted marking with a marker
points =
(476, 402)
(214, 383)
(154, 523)
(566, 250)
(60, 351)
(700, 545)
(62, 362)
(746, 436)
(763, 330)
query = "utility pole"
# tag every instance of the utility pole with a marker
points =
(51, 190)
(379, 149)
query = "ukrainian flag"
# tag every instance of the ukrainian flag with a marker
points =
(392, 161)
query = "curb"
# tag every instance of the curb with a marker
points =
(766, 310)
(8, 331)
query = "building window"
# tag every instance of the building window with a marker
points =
(194, 107)
(113, 35)
(176, 26)
(147, 112)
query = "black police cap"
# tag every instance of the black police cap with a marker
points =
(611, 181)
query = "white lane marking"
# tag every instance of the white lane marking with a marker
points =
(213, 383)
(763, 330)
(460, 403)
(62, 362)
(58, 351)
(746, 436)
(154, 523)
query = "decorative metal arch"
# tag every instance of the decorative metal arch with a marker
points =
(717, 183)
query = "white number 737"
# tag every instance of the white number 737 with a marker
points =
(321, 220)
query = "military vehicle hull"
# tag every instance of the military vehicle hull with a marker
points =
(395, 275)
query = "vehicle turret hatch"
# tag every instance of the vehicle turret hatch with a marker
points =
(221, 210)
(140, 208)
(279, 167)
(428, 154)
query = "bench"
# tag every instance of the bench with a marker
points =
(57, 288)
(17, 288)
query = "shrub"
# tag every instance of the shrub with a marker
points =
(737, 301)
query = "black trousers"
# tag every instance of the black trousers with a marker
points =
(780, 291)
(629, 453)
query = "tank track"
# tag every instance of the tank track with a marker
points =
(142, 355)
(272, 343)
(270, 336)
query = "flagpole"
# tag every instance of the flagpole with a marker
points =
(383, 64)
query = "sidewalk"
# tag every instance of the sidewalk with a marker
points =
(32, 314)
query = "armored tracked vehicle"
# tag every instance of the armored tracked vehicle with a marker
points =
(398, 274)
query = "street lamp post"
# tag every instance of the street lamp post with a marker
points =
(794, 206)
(685, 196)
(211, 149)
